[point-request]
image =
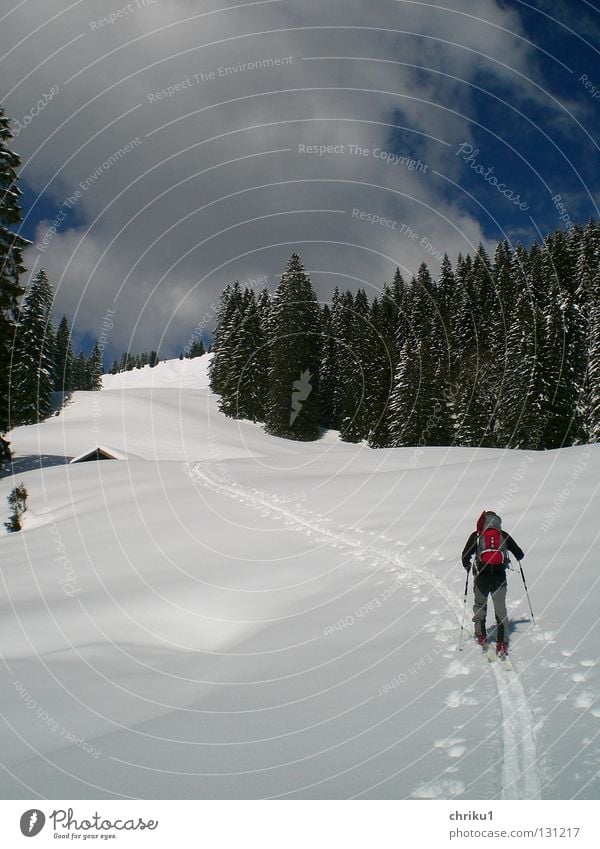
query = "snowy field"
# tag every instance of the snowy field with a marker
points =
(231, 615)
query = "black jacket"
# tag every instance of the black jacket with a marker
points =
(471, 547)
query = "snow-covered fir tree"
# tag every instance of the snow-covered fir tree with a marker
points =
(592, 405)
(63, 358)
(500, 354)
(328, 370)
(80, 372)
(348, 378)
(229, 314)
(295, 345)
(95, 368)
(244, 387)
(11, 263)
(32, 372)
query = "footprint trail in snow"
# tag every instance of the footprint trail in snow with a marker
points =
(520, 778)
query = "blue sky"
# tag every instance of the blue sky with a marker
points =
(179, 131)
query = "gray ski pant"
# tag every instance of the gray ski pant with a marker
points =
(495, 585)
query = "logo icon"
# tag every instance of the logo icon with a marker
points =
(32, 822)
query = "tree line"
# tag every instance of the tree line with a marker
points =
(128, 361)
(501, 352)
(42, 360)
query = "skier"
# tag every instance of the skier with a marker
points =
(491, 545)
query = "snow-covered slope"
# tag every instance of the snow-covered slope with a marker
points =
(235, 615)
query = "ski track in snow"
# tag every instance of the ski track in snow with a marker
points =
(520, 778)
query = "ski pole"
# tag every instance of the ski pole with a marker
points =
(527, 593)
(462, 624)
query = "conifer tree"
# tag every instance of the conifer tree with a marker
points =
(360, 347)
(406, 401)
(419, 412)
(196, 349)
(262, 355)
(592, 405)
(11, 263)
(32, 373)
(245, 386)
(564, 351)
(446, 288)
(520, 412)
(585, 246)
(80, 372)
(63, 358)
(293, 401)
(95, 368)
(229, 315)
(349, 381)
(328, 370)
(381, 360)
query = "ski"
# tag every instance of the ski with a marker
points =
(506, 662)
(490, 653)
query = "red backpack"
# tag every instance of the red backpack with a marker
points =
(491, 544)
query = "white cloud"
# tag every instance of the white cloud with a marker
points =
(215, 188)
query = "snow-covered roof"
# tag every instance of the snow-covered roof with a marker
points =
(101, 452)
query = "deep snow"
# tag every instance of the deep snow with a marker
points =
(227, 614)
